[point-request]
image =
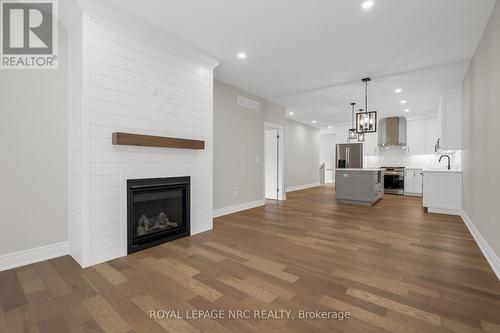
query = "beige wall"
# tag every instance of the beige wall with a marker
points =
(480, 135)
(302, 144)
(239, 145)
(34, 156)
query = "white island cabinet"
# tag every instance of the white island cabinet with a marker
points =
(359, 186)
(442, 191)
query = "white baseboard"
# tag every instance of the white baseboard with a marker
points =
(413, 194)
(447, 211)
(26, 257)
(492, 258)
(239, 207)
(301, 187)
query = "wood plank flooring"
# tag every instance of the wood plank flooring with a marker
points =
(394, 267)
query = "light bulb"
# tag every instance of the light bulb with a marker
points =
(367, 4)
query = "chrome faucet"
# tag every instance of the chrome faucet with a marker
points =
(449, 167)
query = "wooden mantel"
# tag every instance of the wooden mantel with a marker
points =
(129, 139)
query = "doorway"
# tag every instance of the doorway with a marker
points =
(273, 162)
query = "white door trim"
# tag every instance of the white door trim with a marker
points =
(281, 159)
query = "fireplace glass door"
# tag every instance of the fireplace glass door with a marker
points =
(158, 211)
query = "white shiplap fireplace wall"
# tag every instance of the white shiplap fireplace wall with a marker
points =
(125, 82)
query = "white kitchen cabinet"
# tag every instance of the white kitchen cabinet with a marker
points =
(408, 182)
(422, 135)
(370, 147)
(432, 134)
(416, 137)
(418, 184)
(450, 105)
(442, 191)
(342, 133)
(413, 182)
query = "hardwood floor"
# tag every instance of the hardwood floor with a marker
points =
(394, 267)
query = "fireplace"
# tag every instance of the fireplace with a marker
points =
(158, 211)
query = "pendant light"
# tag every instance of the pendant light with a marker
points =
(352, 131)
(366, 122)
(361, 135)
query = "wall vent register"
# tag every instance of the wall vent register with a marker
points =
(248, 103)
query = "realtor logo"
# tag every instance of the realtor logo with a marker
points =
(29, 35)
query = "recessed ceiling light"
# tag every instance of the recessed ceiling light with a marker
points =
(329, 127)
(367, 4)
(407, 110)
(242, 55)
(314, 121)
(291, 113)
(403, 102)
(398, 90)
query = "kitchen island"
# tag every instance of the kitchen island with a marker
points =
(359, 186)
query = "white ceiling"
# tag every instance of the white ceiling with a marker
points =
(310, 55)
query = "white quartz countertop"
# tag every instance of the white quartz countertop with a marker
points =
(360, 170)
(442, 170)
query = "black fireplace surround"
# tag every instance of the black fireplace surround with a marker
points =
(157, 211)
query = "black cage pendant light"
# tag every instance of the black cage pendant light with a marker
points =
(352, 131)
(361, 135)
(366, 122)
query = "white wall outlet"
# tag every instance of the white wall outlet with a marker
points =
(235, 193)
(155, 91)
(257, 159)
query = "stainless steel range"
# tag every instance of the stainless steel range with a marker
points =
(394, 180)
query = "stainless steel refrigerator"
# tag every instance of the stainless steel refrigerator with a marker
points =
(349, 155)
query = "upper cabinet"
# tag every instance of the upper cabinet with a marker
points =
(422, 135)
(416, 137)
(370, 146)
(432, 134)
(342, 133)
(450, 107)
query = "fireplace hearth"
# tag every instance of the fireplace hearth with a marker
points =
(158, 211)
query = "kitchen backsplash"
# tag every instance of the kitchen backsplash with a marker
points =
(398, 158)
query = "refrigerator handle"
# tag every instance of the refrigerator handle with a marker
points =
(348, 157)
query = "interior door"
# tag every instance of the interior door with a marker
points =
(271, 143)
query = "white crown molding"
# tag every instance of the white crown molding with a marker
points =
(118, 19)
(238, 208)
(488, 252)
(26, 257)
(450, 88)
(422, 116)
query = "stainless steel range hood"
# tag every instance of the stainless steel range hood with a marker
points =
(392, 132)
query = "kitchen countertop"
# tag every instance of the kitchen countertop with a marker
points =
(442, 170)
(361, 169)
